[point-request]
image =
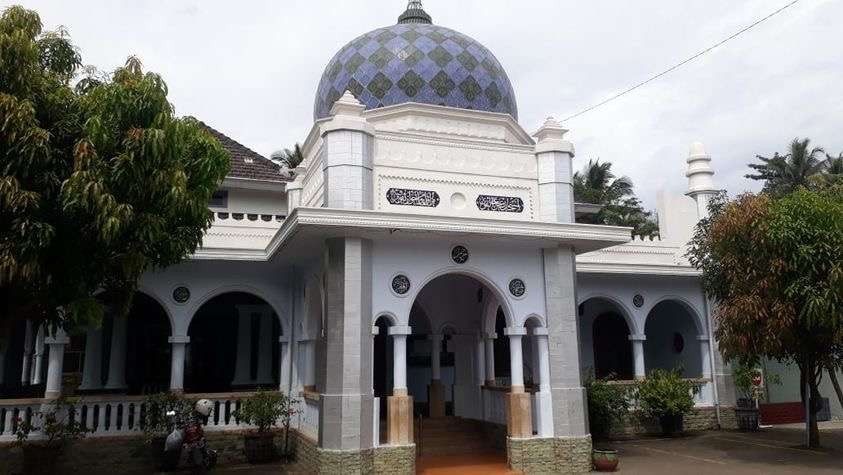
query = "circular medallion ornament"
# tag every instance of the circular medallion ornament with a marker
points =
(459, 254)
(401, 284)
(181, 294)
(517, 287)
(638, 300)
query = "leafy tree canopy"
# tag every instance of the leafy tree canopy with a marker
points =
(774, 268)
(802, 165)
(98, 183)
(597, 184)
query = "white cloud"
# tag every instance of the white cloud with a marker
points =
(251, 68)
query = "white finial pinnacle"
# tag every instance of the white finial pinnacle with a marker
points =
(348, 105)
(550, 130)
(699, 171)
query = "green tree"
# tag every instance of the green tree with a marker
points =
(782, 174)
(289, 158)
(99, 184)
(597, 184)
(45, 269)
(773, 267)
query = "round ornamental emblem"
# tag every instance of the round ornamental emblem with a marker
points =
(400, 284)
(517, 287)
(459, 254)
(638, 300)
(181, 294)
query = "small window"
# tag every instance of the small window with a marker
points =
(219, 199)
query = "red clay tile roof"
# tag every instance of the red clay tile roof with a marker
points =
(245, 162)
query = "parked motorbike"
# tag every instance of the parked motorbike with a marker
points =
(189, 436)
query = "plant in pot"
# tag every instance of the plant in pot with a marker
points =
(749, 383)
(608, 405)
(666, 396)
(264, 410)
(157, 424)
(46, 433)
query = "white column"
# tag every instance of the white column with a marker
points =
(554, 156)
(117, 358)
(55, 366)
(243, 365)
(516, 358)
(38, 365)
(92, 366)
(435, 357)
(544, 398)
(490, 359)
(27, 354)
(284, 367)
(309, 348)
(348, 158)
(399, 360)
(705, 354)
(640, 370)
(264, 375)
(177, 353)
(481, 360)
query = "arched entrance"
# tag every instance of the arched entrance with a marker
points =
(606, 351)
(233, 345)
(128, 354)
(672, 339)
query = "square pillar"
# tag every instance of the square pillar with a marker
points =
(55, 365)
(346, 413)
(347, 160)
(554, 157)
(179, 348)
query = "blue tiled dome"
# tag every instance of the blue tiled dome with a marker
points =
(416, 61)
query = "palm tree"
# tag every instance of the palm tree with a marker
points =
(785, 173)
(596, 184)
(289, 158)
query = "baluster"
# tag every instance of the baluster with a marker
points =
(5, 421)
(132, 421)
(227, 412)
(98, 419)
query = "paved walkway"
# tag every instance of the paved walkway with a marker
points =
(776, 450)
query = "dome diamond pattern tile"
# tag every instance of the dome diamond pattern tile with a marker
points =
(416, 63)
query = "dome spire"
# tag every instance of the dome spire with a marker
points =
(415, 14)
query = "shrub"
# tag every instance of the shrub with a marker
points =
(59, 423)
(665, 393)
(264, 409)
(608, 404)
(156, 423)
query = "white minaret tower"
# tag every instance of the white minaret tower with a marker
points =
(700, 183)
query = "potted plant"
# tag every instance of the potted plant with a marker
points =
(264, 410)
(666, 396)
(608, 404)
(749, 383)
(44, 436)
(157, 425)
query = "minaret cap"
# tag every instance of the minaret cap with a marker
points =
(415, 14)
(699, 171)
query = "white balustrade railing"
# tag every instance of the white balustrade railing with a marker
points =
(106, 416)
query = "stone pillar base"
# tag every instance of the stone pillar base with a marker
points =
(400, 420)
(436, 397)
(550, 455)
(519, 421)
(400, 459)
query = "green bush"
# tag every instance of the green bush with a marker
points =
(608, 404)
(156, 423)
(265, 409)
(665, 393)
(59, 424)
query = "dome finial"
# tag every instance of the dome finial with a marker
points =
(415, 14)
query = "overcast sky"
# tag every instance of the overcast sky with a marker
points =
(250, 68)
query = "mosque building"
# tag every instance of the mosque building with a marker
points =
(423, 264)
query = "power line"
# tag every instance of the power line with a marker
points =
(682, 63)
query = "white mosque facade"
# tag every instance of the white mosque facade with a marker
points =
(425, 260)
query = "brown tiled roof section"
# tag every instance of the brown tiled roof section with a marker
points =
(245, 162)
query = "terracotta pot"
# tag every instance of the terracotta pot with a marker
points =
(605, 460)
(672, 425)
(40, 459)
(260, 447)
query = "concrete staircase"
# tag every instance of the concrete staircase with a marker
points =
(452, 436)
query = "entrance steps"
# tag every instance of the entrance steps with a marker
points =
(452, 436)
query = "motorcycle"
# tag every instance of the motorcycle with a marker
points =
(190, 436)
